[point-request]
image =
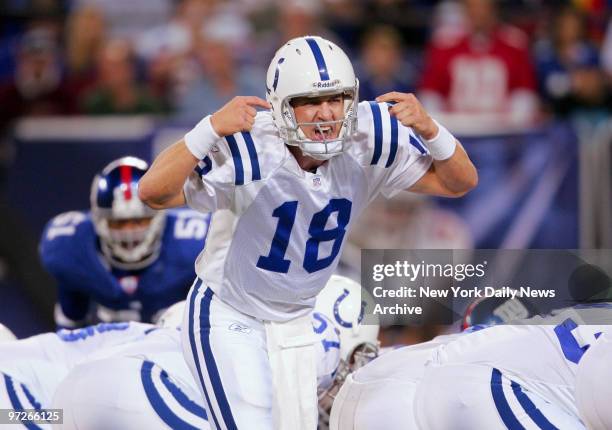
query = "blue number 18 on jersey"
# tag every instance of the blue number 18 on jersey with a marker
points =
(275, 261)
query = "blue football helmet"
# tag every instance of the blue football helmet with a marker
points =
(114, 198)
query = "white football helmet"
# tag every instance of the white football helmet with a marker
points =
(173, 316)
(311, 66)
(344, 302)
(5, 334)
(114, 196)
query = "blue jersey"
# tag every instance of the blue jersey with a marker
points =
(87, 282)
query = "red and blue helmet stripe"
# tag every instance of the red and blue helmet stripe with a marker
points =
(123, 173)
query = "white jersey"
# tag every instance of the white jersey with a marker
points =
(155, 382)
(40, 362)
(277, 241)
(66, 348)
(541, 354)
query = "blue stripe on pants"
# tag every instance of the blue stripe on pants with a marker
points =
(159, 405)
(503, 408)
(16, 403)
(209, 359)
(194, 350)
(534, 413)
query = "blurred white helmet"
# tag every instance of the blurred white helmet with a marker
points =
(311, 66)
(593, 388)
(344, 302)
(5, 334)
(173, 316)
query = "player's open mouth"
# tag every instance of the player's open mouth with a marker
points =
(324, 132)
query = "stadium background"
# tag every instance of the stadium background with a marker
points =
(85, 81)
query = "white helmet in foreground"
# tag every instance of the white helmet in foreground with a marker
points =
(342, 302)
(173, 316)
(5, 334)
(311, 66)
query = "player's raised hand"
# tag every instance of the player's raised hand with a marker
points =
(237, 115)
(410, 112)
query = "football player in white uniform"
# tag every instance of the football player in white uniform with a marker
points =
(146, 384)
(31, 369)
(519, 376)
(343, 301)
(593, 387)
(285, 186)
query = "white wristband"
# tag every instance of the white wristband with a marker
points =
(442, 146)
(201, 138)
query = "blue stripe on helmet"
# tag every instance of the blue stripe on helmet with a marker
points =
(532, 410)
(233, 146)
(16, 403)
(277, 73)
(192, 344)
(316, 51)
(393, 148)
(253, 155)
(161, 408)
(502, 405)
(211, 365)
(378, 133)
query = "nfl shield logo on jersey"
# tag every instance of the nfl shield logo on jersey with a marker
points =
(316, 181)
(129, 284)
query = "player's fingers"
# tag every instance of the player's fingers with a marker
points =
(393, 96)
(406, 117)
(256, 101)
(251, 111)
(247, 122)
(399, 107)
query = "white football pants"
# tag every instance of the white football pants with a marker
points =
(229, 357)
(129, 394)
(480, 397)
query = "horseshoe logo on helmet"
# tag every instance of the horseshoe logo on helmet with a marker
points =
(339, 320)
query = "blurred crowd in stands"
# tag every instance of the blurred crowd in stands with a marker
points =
(512, 63)
(480, 66)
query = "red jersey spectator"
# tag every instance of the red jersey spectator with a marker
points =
(486, 70)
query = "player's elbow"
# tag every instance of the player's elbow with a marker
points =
(471, 180)
(468, 182)
(150, 194)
